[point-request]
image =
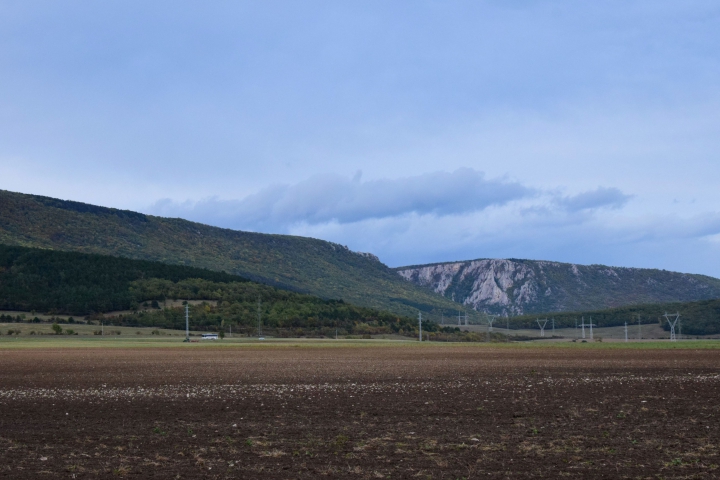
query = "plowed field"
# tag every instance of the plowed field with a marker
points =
(359, 412)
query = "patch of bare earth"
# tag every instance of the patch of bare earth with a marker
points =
(436, 412)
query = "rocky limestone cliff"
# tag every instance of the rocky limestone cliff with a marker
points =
(516, 287)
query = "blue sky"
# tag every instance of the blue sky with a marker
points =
(422, 131)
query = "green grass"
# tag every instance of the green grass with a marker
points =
(145, 342)
(153, 341)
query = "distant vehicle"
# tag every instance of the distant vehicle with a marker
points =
(209, 336)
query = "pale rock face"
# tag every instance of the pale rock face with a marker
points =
(370, 256)
(514, 287)
(496, 283)
(437, 277)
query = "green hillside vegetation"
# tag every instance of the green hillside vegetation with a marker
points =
(81, 284)
(697, 318)
(90, 285)
(305, 265)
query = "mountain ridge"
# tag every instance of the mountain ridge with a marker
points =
(519, 286)
(301, 264)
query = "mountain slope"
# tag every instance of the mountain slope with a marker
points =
(516, 287)
(73, 283)
(302, 264)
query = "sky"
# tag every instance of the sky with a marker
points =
(420, 131)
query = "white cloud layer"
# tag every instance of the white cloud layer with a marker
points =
(461, 215)
(333, 198)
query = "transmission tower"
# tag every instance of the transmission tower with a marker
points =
(542, 326)
(672, 324)
(490, 320)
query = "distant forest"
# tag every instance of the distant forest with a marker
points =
(55, 282)
(696, 318)
(58, 282)
(90, 285)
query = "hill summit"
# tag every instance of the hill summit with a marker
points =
(304, 265)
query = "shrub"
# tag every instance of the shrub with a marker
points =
(57, 329)
(70, 331)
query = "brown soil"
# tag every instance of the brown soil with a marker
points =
(406, 412)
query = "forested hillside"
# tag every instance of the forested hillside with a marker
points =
(301, 264)
(516, 287)
(89, 285)
(81, 284)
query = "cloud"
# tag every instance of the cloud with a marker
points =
(610, 237)
(601, 197)
(443, 216)
(333, 198)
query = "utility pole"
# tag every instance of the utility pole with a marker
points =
(553, 325)
(420, 326)
(102, 328)
(187, 323)
(639, 329)
(591, 325)
(626, 339)
(459, 318)
(259, 315)
(583, 327)
(679, 328)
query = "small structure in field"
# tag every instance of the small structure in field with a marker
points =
(209, 336)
